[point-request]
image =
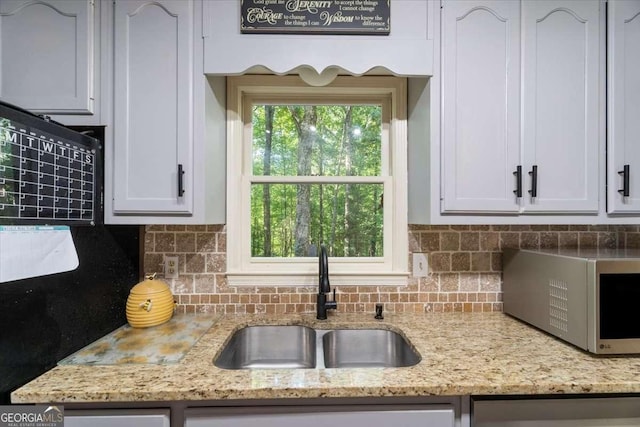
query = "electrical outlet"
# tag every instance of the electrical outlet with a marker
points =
(171, 267)
(420, 265)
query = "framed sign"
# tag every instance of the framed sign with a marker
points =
(359, 17)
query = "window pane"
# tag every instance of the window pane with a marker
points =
(290, 220)
(318, 140)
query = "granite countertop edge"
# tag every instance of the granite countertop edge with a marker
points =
(462, 354)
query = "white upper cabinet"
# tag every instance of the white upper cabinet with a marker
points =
(522, 110)
(481, 105)
(624, 107)
(47, 55)
(153, 107)
(561, 105)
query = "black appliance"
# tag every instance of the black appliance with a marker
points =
(44, 319)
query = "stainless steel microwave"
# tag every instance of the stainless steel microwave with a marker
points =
(589, 298)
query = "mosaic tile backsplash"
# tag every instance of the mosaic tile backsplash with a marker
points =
(465, 268)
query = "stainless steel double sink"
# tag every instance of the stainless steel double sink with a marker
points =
(260, 347)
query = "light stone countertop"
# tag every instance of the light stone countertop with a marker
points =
(462, 354)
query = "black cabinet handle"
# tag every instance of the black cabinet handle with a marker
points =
(180, 181)
(625, 181)
(518, 174)
(534, 181)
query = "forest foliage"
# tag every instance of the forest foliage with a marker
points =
(291, 219)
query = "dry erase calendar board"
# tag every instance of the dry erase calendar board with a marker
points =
(49, 174)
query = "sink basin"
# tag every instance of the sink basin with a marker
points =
(270, 347)
(264, 347)
(360, 348)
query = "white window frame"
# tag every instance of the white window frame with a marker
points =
(244, 270)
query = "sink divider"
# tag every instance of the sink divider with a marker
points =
(320, 333)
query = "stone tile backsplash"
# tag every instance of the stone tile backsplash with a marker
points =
(465, 268)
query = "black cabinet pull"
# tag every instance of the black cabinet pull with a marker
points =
(518, 174)
(180, 181)
(534, 181)
(625, 181)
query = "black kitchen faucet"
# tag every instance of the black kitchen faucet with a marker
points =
(324, 287)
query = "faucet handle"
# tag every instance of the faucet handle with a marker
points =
(332, 305)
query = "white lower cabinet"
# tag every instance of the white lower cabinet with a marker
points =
(318, 416)
(587, 412)
(117, 418)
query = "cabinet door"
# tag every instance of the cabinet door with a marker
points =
(46, 55)
(358, 416)
(562, 54)
(153, 85)
(624, 105)
(481, 105)
(117, 418)
(579, 412)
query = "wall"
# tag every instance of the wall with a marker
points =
(465, 267)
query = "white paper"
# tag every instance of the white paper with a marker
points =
(32, 251)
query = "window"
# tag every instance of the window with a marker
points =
(316, 165)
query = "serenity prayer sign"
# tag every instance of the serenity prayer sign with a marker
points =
(361, 17)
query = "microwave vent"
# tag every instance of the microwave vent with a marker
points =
(558, 306)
